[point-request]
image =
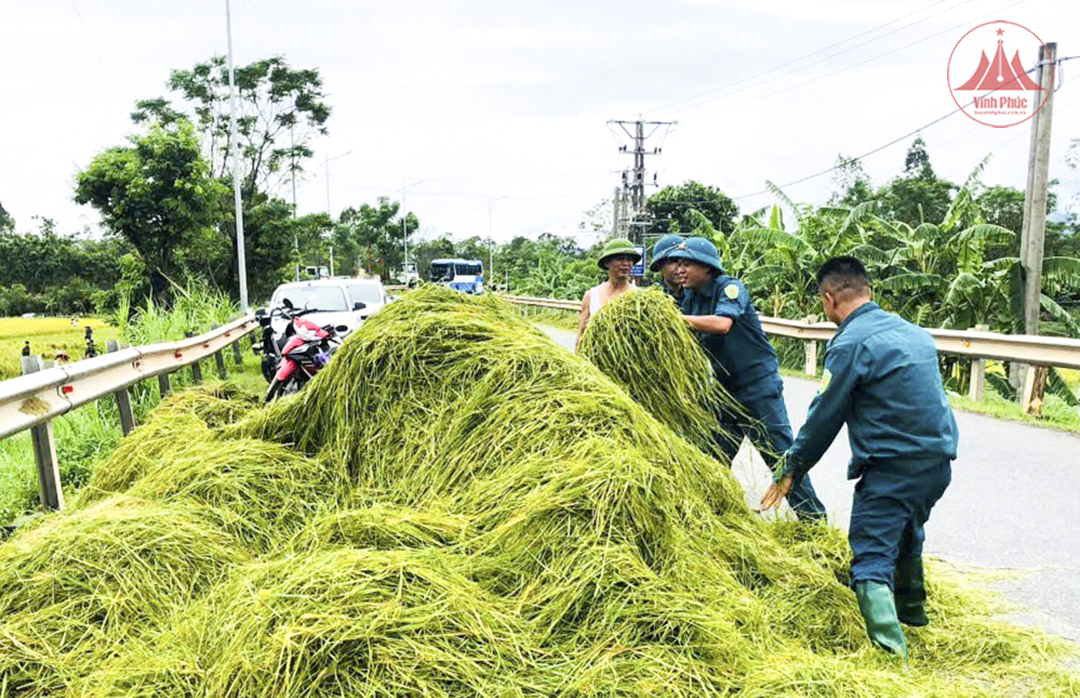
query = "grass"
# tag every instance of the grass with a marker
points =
(563, 319)
(89, 434)
(669, 375)
(47, 337)
(457, 507)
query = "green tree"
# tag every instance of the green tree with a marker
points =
(377, 235)
(155, 193)
(6, 221)
(852, 184)
(673, 205)
(919, 195)
(279, 111)
(423, 252)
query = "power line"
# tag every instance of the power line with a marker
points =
(668, 108)
(848, 67)
(872, 152)
(481, 177)
(101, 60)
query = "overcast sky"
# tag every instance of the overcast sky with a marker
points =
(485, 99)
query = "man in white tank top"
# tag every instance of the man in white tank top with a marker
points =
(618, 257)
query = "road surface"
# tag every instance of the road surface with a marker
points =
(1013, 505)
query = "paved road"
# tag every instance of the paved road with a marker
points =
(1014, 504)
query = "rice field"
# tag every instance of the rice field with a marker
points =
(457, 506)
(47, 337)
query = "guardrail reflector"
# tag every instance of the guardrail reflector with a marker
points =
(67, 389)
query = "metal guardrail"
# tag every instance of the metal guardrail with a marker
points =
(36, 398)
(977, 344)
(31, 401)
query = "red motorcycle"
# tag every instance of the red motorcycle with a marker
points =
(306, 351)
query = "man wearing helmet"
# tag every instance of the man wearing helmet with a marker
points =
(720, 311)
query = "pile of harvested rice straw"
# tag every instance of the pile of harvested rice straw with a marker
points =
(456, 506)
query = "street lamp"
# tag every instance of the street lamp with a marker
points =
(240, 258)
(328, 213)
(404, 229)
(491, 240)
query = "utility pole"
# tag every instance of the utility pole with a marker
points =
(634, 181)
(491, 242)
(616, 204)
(1033, 233)
(404, 229)
(240, 258)
(329, 215)
(491, 239)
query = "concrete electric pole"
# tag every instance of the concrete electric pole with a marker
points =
(634, 184)
(1033, 233)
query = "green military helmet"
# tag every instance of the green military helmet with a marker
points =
(615, 247)
(661, 248)
(698, 250)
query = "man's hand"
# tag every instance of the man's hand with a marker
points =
(776, 493)
(709, 324)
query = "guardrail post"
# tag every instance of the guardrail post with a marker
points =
(50, 491)
(1034, 388)
(811, 351)
(164, 385)
(196, 370)
(978, 373)
(238, 356)
(219, 358)
(123, 397)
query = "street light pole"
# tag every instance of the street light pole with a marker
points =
(405, 230)
(491, 240)
(326, 164)
(238, 202)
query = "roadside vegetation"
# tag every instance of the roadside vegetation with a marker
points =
(87, 435)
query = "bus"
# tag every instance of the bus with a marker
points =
(465, 275)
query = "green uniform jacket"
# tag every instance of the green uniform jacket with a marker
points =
(882, 379)
(742, 358)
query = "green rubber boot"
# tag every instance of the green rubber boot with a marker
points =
(879, 610)
(911, 593)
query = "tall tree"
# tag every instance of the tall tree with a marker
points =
(154, 193)
(675, 204)
(6, 221)
(376, 234)
(423, 252)
(852, 184)
(918, 196)
(280, 111)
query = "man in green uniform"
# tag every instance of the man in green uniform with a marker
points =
(719, 309)
(669, 269)
(881, 379)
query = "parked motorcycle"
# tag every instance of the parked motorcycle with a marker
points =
(306, 349)
(270, 344)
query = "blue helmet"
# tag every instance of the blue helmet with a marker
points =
(660, 249)
(698, 250)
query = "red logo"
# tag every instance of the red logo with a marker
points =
(988, 74)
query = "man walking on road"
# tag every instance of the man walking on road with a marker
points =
(719, 309)
(882, 379)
